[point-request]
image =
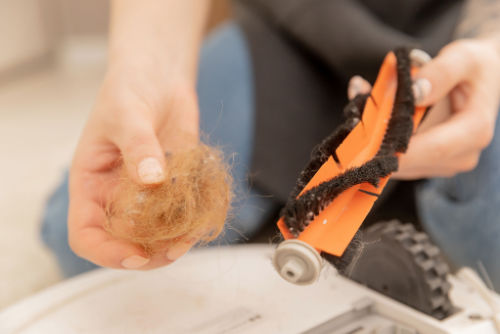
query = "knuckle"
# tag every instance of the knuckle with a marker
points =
(442, 171)
(135, 142)
(484, 134)
(447, 70)
(448, 174)
(460, 48)
(469, 164)
(472, 52)
(74, 245)
(451, 47)
(486, 138)
(440, 151)
(468, 47)
(184, 91)
(138, 141)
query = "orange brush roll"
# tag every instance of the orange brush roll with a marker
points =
(333, 229)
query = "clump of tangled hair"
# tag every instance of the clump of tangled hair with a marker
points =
(193, 200)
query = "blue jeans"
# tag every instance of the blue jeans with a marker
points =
(460, 213)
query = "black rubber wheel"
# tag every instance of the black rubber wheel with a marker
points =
(404, 265)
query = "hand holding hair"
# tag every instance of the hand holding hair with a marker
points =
(131, 206)
(146, 107)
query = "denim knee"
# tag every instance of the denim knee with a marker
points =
(54, 232)
(462, 213)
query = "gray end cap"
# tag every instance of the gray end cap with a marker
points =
(297, 262)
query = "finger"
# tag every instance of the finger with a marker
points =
(445, 141)
(89, 240)
(180, 128)
(357, 85)
(174, 249)
(185, 244)
(86, 218)
(143, 156)
(419, 57)
(437, 114)
(448, 147)
(438, 77)
(447, 168)
(423, 172)
(172, 253)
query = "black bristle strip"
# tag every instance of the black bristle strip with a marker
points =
(354, 109)
(320, 154)
(342, 263)
(400, 127)
(299, 212)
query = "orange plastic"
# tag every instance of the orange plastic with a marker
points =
(333, 229)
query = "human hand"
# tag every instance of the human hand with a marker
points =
(137, 118)
(451, 138)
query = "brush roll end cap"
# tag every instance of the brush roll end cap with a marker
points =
(297, 262)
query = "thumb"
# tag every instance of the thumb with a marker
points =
(142, 153)
(439, 76)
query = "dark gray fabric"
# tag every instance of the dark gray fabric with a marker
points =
(304, 51)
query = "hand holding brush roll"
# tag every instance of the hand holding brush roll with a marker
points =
(466, 75)
(459, 87)
(462, 70)
(347, 172)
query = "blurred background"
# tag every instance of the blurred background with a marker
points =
(52, 59)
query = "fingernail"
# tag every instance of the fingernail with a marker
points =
(421, 89)
(354, 87)
(134, 262)
(150, 171)
(178, 250)
(419, 57)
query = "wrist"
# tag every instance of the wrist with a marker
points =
(154, 65)
(157, 36)
(143, 72)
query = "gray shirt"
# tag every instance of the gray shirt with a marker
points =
(304, 52)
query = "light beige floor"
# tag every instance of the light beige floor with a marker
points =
(41, 115)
